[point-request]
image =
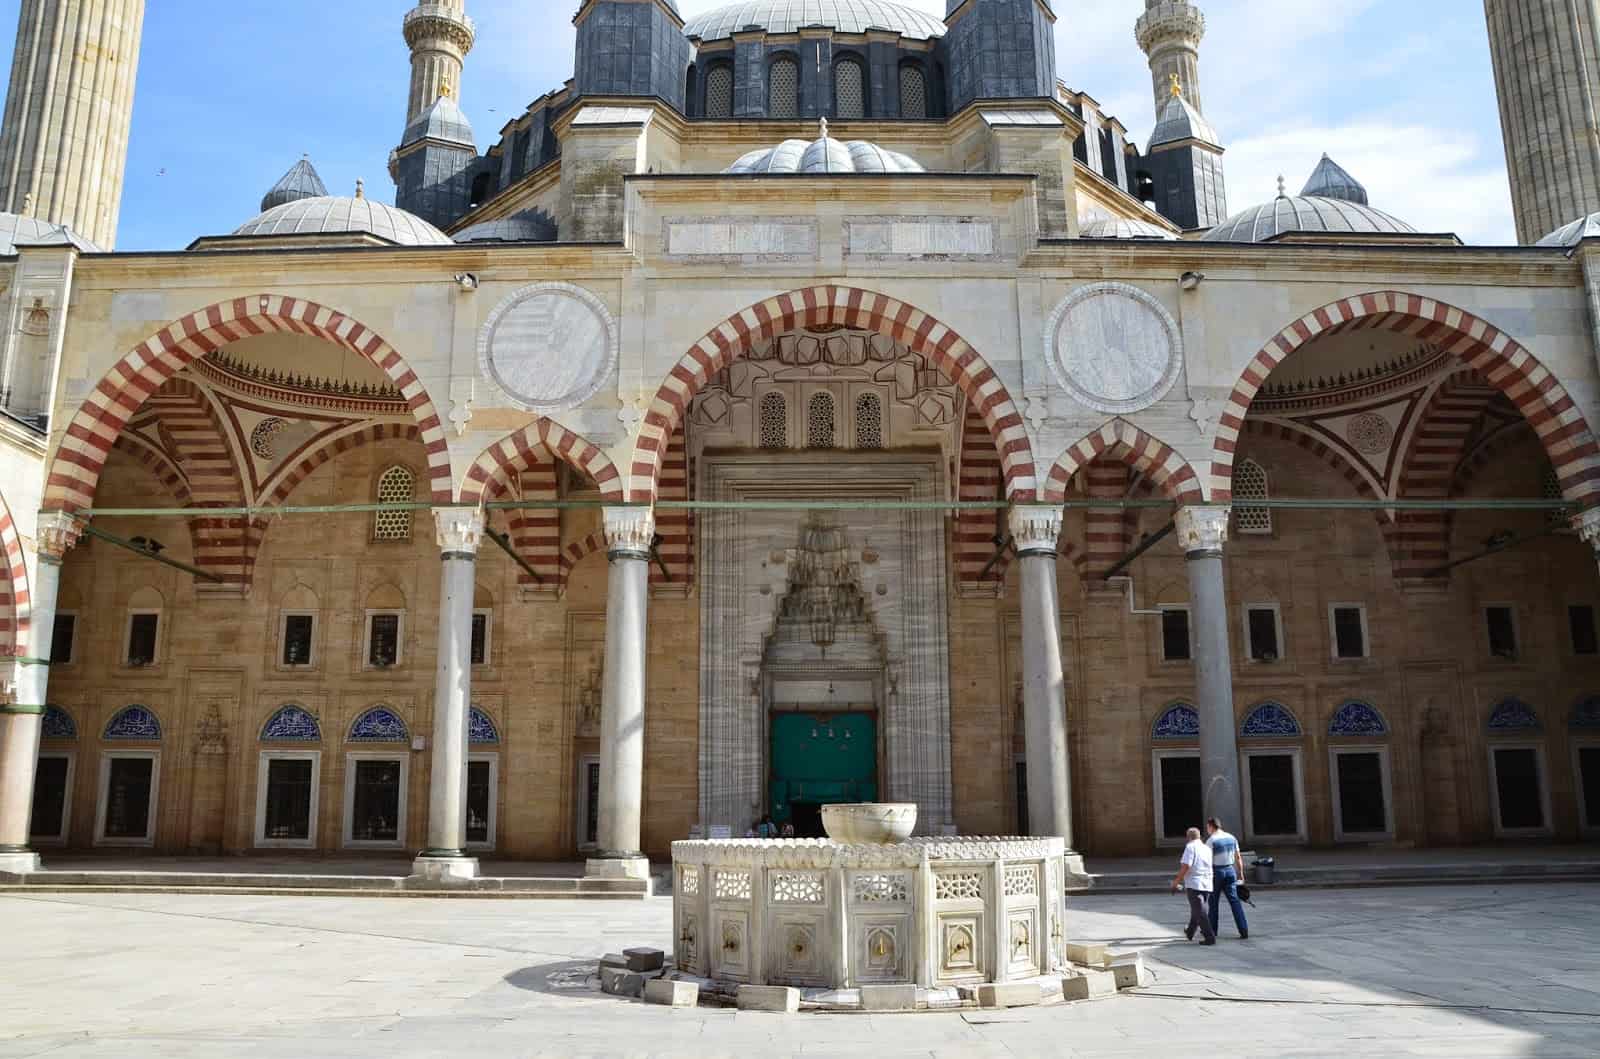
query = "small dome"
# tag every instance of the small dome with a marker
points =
(530, 226)
(787, 16)
(826, 155)
(1305, 213)
(329, 215)
(442, 121)
(17, 230)
(300, 182)
(1123, 228)
(1330, 180)
(1179, 121)
(1574, 232)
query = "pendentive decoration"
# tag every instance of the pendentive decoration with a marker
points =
(1114, 347)
(549, 346)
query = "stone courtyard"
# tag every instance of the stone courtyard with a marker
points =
(1435, 971)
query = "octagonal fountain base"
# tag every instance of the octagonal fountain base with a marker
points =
(934, 912)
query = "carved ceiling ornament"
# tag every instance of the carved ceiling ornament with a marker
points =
(1369, 433)
(1114, 347)
(549, 346)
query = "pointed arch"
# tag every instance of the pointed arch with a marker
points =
(75, 469)
(1119, 439)
(15, 601)
(834, 306)
(1506, 364)
(1365, 486)
(521, 449)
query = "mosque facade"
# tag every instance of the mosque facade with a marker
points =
(809, 401)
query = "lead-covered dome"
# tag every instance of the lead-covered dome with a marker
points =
(787, 16)
(1573, 232)
(1306, 213)
(336, 215)
(826, 155)
(1123, 228)
(17, 230)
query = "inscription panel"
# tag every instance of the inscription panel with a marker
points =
(734, 239)
(941, 238)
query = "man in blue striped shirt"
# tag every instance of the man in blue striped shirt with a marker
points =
(1227, 870)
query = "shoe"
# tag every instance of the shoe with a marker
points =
(1209, 941)
(1244, 935)
(1188, 932)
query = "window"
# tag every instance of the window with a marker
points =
(820, 421)
(1175, 634)
(774, 421)
(480, 637)
(588, 802)
(63, 638)
(143, 641)
(1272, 794)
(1263, 631)
(914, 97)
(719, 91)
(52, 799)
(1250, 483)
(869, 425)
(297, 639)
(482, 784)
(1349, 627)
(397, 485)
(129, 785)
(1580, 620)
(688, 91)
(849, 89)
(783, 89)
(1501, 625)
(1587, 757)
(1361, 800)
(375, 800)
(1517, 780)
(1178, 802)
(286, 798)
(480, 189)
(1019, 778)
(1550, 489)
(383, 639)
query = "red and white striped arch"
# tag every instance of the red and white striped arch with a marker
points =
(15, 601)
(75, 469)
(1498, 358)
(1121, 440)
(491, 471)
(834, 306)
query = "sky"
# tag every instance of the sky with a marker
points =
(1400, 92)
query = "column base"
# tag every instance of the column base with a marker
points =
(444, 869)
(620, 867)
(20, 862)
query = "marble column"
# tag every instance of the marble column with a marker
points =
(1202, 531)
(20, 720)
(459, 530)
(629, 532)
(1036, 531)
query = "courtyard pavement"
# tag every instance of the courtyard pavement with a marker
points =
(1433, 971)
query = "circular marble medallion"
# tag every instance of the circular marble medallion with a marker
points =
(1114, 347)
(549, 346)
(1369, 433)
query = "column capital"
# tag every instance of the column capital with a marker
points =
(1035, 528)
(1203, 529)
(56, 533)
(630, 531)
(458, 530)
(1587, 523)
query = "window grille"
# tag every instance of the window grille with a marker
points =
(913, 93)
(849, 90)
(774, 421)
(1250, 483)
(1550, 489)
(397, 485)
(869, 422)
(819, 421)
(783, 89)
(719, 92)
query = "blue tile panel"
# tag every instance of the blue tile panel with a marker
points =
(480, 729)
(1179, 722)
(1270, 719)
(1513, 715)
(58, 724)
(291, 724)
(379, 725)
(1357, 718)
(133, 723)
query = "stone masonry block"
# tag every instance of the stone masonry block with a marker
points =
(621, 982)
(1089, 985)
(612, 959)
(1087, 955)
(888, 998)
(671, 993)
(1008, 995)
(769, 998)
(1130, 971)
(644, 959)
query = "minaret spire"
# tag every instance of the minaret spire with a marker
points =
(440, 35)
(1169, 32)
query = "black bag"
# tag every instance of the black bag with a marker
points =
(1244, 894)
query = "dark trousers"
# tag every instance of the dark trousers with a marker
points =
(1198, 919)
(1225, 883)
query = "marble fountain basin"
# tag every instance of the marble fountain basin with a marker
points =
(870, 822)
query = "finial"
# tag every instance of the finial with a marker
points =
(27, 204)
(445, 89)
(1283, 188)
(1177, 87)
(361, 188)
(824, 128)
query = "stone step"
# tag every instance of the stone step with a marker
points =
(346, 885)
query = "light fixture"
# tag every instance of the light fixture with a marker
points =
(1191, 280)
(466, 281)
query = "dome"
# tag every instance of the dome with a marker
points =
(1305, 213)
(826, 155)
(1179, 121)
(531, 226)
(327, 214)
(445, 121)
(300, 182)
(1573, 233)
(787, 16)
(16, 230)
(1123, 228)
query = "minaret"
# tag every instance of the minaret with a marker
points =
(64, 139)
(1169, 32)
(1549, 87)
(439, 34)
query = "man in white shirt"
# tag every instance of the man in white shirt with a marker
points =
(1194, 879)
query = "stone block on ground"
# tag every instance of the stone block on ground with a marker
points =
(769, 998)
(1008, 995)
(614, 959)
(619, 981)
(1087, 955)
(1129, 970)
(671, 993)
(644, 959)
(888, 998)
(1088, 985)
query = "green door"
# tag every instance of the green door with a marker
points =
(818, 759)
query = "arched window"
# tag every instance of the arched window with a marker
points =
(913, 92)
(481, 730)
(136, 723)
(379, 725)
(481, 189)
(291, 724)
(1270, 719)
(849, 89)
(1585, 717)
(774, 421)
(689, 82)
(719, 91)
(869, 421)
(1250, 483)
(1178, 722)
(783, 88)
(1357, 719)
(397, 485)
(57, 724)
(820, 421)
(1513, 715)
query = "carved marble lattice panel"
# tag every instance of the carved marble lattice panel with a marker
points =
(1114, 347)
(880, 888)
(1022, 880)
(689, 880)
(797, 887)
(549, 346)
(731, 885)
(958, 886)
